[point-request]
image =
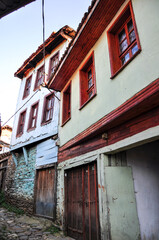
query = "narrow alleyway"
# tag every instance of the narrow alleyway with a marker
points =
(26, 228)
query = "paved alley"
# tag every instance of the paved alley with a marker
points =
(26, 228)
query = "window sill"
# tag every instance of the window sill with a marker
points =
(25, 97)
(87, 101)
(19, 135)
(122, 67)
(65, 121)
(30, 129)
(37, 88)
(45, 123)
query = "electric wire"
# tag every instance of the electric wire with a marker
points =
(43, 84)
(51, 92)
(20, 108)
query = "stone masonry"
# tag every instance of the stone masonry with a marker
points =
(20, 180)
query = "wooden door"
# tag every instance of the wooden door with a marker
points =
(3, 167)
(81, 202)
(45, 192)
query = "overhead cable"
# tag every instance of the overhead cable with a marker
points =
(20, 108)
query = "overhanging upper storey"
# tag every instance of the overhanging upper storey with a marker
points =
(50, 43)
(94, 22)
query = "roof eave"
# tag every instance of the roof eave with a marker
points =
(92, 26)
(50, 44)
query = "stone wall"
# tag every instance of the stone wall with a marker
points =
(20, 181)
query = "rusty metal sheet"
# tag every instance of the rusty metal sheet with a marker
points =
(81, 202)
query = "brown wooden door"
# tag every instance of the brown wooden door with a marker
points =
(81, 202)
(45, 192)
(3, 167)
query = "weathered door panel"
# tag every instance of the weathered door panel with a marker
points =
(45, 192)
(3, 167)
(81, 200)
(122, 213)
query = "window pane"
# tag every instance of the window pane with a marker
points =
(34, 111)
(125, 58)
(47, 115)
(21, 129)
(89, 74)
(33, 123)
(48, 104)
(54, 63)
(123, 45)
(122, 35)
(90, 94)
(134, 49)
(132, 36)
(130, 25)
(90, 83)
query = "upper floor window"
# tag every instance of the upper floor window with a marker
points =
(21, 123)
(53, 63)
(27, 87)
(123, 40)
(87, 81)
(66, 113)
(39, 77)
(48, 108)
(33, 116)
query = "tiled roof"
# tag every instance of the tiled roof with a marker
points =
(7, 127)
(77, 32)
(50, 43)
(3, 155)
(93, 24)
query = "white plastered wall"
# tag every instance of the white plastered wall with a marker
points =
(41, 131)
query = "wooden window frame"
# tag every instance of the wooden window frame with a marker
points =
(113, 41)
(56, 55)
(48, 97)
(31, 117)
(66, 108)
(37, 85)
(84, 81)
(27, 89)
(20, 123)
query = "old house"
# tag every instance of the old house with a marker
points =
(35, 132)
(108, 168)
(5, 138)
(5, 155)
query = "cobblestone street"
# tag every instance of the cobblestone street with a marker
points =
(26, 228)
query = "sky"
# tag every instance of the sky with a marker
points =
(21, 34)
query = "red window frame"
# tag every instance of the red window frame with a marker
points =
(48, 108)
(53, 63)
(21, 122)
(27, 87)
(130, 48)
(33, 116)
(87, 81)
(39, 77)
(66, 109)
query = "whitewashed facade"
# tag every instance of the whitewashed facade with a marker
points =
(35, 130)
